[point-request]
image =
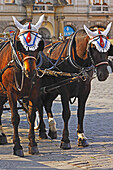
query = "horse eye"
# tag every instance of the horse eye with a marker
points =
(93, 46)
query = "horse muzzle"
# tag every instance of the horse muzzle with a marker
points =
(102, 72)
(29, 66)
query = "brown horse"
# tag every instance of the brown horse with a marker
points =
(79, 55)
(19, 79)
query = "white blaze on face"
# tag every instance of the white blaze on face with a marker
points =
(28, 39)
(102, 44)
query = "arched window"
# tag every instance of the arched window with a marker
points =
(45, 33)
(10, 29)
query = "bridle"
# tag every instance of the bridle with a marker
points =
(29, 57)
(93, 65)
(19, 64)
(89, 51)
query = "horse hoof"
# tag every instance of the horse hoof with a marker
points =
(52, 134)
(3, 139)
(65, 145)
(19, 152)
(83, 143)
(42, 136)
(33, 150)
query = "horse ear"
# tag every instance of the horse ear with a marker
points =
(38, 24)
(41, 45)
(107, 29)
(89, 32)
(18, 24)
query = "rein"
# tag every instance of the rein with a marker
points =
(69, 54)
(55, 86)
(15, 57)
(19, 65)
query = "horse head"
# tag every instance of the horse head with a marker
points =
(98, 48)
(28, 42)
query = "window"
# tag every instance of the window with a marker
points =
(9, 1)
(98, 5)
(38, 1)
(70, 2)
(98, 2)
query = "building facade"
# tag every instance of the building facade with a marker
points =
(62, 17)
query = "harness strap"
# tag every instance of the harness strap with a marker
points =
(52, 87)
(101, 63)
(55, 65)
(29, 57)
(3, 45)
(53, 47)
(15, 57)
(56, 73)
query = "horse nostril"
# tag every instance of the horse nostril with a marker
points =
(102, 76)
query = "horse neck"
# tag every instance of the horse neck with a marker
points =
(79, 51)
(81, 46)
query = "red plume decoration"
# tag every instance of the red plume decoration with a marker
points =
(101, 40)
(28, 38)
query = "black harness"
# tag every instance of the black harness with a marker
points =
(82, 71)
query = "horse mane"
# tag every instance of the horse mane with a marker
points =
(80, 35)
(81, 40)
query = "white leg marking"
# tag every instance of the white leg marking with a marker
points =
(52, 124)
(36, 121)
(81, 136)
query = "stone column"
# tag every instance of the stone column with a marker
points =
(59, 19)
(29, 7)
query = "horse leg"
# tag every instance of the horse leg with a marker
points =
(31, 136)
(15, 119)
(52, 124)
(82, 140)
(3, 139)
(42, 128)
(65, 142)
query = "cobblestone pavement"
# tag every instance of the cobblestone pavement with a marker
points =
(98, 125)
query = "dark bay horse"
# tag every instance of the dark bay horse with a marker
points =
(81, 54)
(19, 79)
